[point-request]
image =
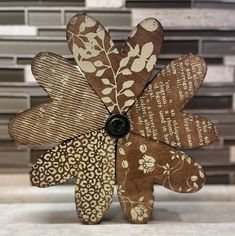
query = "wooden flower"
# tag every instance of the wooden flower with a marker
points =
(112, 125)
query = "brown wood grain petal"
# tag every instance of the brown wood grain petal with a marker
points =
(90, 160)
(157, 113)
(75, 108)
(141, 162)
(118, 78)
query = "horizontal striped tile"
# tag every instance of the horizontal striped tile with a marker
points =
(229, 60)
(42, 17)
(219, 74)
(13, 103)
(105, 3)
(187, 18)
(107, 18)
(21, 30)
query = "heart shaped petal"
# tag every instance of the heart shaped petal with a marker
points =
(75, 108)
(90, 159)
(141, 162)
(157, 113)
(118, 78)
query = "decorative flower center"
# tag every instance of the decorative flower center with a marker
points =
(117, 125)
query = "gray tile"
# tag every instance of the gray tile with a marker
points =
(36, 153)
(226, 130)
(11, 75)
(11, 17)
(14, 158)
(107, 18)
(44, 17)
(217, 178)
(222, 47)
(217, 90)
(158, 3)
(219, 117)
(9, 104)
(41, 3)
(52, 32)
(210, 103)
(210, 157)
(31, 90)
(179, 47)
(214, 4)
(187, 18)
(33, 46)
(35, 101)
(5, 60)
(4, 135)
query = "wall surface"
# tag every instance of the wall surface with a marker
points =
(200, 27)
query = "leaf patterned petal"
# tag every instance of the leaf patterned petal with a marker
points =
(97, 49)
(134, 63)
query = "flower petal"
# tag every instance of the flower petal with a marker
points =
(125, 73)
(99, 50)
(75, 108)
(180, 174)
(89, 158)
(96, 178)
(54, 167)
(165, 97)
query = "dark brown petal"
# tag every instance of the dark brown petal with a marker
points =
(118, 78)
(157, 113)
(141, 162)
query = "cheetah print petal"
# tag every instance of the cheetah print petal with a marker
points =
(117, 77)
(141, 162)
(90, 160)
(56, 166)
(75, 108)
(158, 114)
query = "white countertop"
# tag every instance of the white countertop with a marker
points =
(51, 211)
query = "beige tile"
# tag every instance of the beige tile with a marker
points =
(187, 18)
(105, 3)
(219, 74)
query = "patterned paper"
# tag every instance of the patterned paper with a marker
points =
(75, 108)
(157, 113)
(78, 114)
(118, 78)
(141, 162)
(90, 159)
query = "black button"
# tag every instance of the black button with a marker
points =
(117, 125)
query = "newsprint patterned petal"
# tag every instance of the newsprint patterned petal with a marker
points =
(157, 113)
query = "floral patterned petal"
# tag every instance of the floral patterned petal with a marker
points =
(157, 113)
(90, 159)
(148, 162)
(75, 108)
(118, 78)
